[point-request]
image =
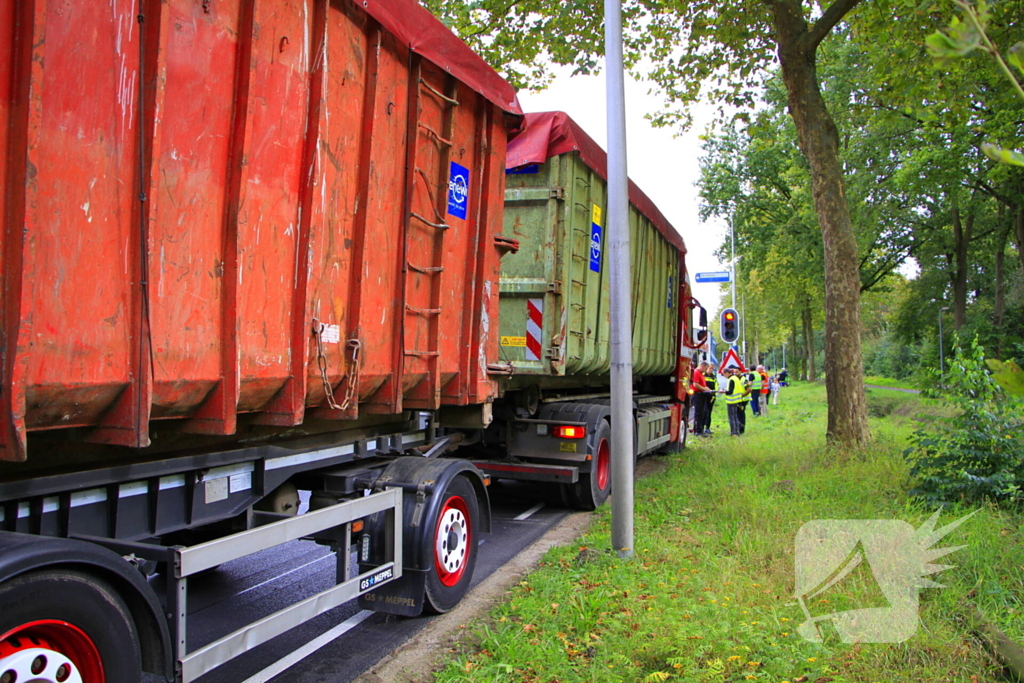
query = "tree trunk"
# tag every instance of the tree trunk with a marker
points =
(818, 139)
(1018, 231)
(999, 307)
(792, 353)
(808, 322)
(961, 242)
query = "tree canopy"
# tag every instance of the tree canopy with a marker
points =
(849, 154)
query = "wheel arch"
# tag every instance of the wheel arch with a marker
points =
(437, 473)
(21, 554)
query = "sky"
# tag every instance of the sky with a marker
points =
(664, 166)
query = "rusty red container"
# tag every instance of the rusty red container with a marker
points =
(275, 208)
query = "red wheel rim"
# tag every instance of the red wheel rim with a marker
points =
(604, 458)
(59, 637)
(453, 541)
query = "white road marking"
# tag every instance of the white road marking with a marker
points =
(529, 512)
(309, 648)
(281, 576)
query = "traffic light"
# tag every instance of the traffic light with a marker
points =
(730, 326)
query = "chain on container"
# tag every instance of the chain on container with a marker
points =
(321, 361)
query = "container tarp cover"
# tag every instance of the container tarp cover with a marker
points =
(550, 133)
(423, 33)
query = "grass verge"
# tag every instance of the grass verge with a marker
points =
(708, 595)
(889, 382)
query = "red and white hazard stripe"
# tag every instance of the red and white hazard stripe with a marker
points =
(534, 320)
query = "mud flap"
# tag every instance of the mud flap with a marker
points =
(403, 596)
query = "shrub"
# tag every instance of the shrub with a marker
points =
(976, 453)
(882, 406)
(889, 357)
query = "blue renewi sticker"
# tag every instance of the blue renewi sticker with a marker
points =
(669, 291)
(595, 239)
(458, 191)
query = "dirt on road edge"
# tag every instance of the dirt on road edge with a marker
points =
(416, 661)
(423, 654)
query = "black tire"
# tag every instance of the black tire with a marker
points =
(76, 618)
(592, 489)
(556, 495)
(453, 547)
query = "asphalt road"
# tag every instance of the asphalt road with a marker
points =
(337, 646)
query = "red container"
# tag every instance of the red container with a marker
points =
(217, 210)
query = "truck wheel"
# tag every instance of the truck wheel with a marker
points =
(66, 627)
(592, 489)
(454, 547)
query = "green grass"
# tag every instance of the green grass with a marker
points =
(889, 382)
(708, 595)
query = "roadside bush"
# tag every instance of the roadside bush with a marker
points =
(976, 453)
(889, 357)
(879, 406)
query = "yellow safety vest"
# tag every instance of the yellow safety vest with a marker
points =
(734, 394)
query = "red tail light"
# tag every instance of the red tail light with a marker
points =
(570, 432)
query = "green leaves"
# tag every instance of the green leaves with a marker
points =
(1014, 56)
(1002, 156)
(974, 454)
(962, 40)
(1008, 375)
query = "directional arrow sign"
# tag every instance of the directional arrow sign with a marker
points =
(720, 276)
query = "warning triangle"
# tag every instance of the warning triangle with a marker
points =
(731, 359)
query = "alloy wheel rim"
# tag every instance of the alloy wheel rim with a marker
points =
(603, 464)
(452, 541)
(49, 651)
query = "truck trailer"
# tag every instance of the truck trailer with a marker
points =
(257, 247)
(552, 420)
(249, 247)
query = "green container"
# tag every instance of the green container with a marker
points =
(555, 317)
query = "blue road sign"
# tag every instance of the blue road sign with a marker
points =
(719, 276)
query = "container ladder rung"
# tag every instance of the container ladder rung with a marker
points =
(423, 311)
(437, 136)
(428, 270)
(439, 226)
(450, 100)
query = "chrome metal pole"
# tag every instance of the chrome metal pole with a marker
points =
(619, 264)
(743, 325)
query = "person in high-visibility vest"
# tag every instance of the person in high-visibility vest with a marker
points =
(765, 388)
(711, 379)
(700, 396)
(755, 391)
(746, 400)
(736, 395)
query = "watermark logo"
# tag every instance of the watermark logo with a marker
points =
(890, 552)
